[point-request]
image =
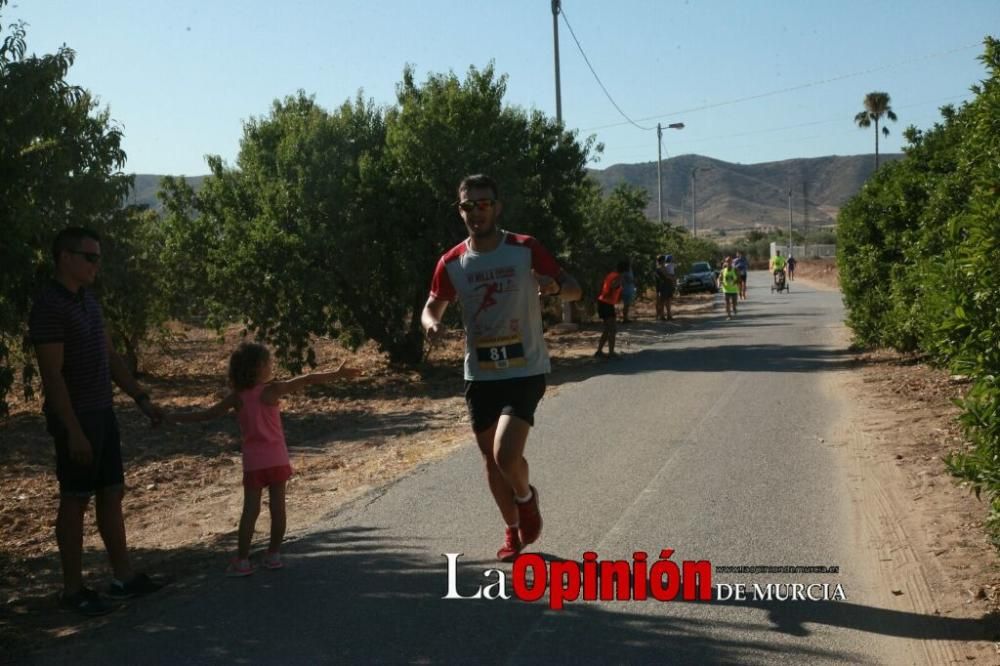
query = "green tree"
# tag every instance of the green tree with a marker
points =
(968, 330)
(60, 164)
(918, 252)
(616, 228)
(876, 107)
(331, 222)
(134, 282)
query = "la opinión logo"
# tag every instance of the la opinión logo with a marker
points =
(592, 579)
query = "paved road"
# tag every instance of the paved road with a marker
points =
(709, 442)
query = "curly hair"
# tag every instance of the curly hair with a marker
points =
(245, 363)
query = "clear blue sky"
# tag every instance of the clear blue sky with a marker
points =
(181, 76)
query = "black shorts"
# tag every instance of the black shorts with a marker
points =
(605, 310)
(488, 400)
(105, 471)
(666, 291)
(732, 296)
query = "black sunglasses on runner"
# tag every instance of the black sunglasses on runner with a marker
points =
(92, 257)
(482, 204)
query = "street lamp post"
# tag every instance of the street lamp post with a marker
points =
(694, 198)
(659, 169)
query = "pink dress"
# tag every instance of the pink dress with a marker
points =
(263, 437)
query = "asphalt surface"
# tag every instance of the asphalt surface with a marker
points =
(713, 442)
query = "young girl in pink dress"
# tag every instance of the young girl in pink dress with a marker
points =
(255, 398)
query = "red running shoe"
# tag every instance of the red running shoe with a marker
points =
(511, 545)
(530, 519)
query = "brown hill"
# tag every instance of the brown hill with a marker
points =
(734, 197)
(731, 197)
(147, 185)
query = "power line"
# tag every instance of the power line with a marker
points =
(783, 90)
(846, 130)
(782, 190)
(596, 77)
(819, 122)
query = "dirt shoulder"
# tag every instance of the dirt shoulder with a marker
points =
(821, 273)
(927, 529)
(184, 494)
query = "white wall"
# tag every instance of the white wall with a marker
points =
(804, 251)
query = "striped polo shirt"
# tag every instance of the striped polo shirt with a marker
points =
(59, 315)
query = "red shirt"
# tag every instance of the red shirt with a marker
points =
(611, 294)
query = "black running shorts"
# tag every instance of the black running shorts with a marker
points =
(605, 310)
(488, 400)
(105, 470)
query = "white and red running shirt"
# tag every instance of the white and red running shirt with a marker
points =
(500, 305)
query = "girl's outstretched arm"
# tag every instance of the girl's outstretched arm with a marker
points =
(273, 391)
(231, 401)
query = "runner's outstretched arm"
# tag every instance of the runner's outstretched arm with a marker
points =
(430, 318)
(571, 290)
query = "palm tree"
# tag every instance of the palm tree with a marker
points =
(876, 106)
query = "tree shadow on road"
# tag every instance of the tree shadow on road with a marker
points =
(720, 358)
(355, 595)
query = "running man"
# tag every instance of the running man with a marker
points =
(729, 281)
(791, 268)
(777, 265)
(505, 355)
(742, 267)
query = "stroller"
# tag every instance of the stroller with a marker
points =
(780, 283)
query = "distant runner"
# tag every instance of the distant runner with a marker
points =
(777, 265)
(742, 267)
(729, 281)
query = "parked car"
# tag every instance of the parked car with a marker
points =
(701, 277)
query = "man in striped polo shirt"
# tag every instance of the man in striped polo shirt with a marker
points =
(498, 277)
(77, 363)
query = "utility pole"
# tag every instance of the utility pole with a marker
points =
(659, 170)
(789, 253)
(567, 307)
(556, 6)
(694, 198)
(659, 173)
(805, 220)
(694, 203)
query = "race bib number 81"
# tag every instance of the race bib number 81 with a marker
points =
(500, 353)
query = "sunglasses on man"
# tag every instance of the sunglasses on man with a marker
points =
(91, 257)
(481, 204)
